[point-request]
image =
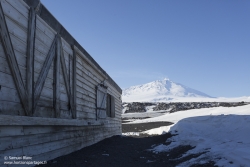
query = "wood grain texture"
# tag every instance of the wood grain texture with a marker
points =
(112, 107)
(48, 93)
(56, 86)
(86, 82)
(82, 56)
(65, 77)
(27, 140)
(83, 85)
(11, 108)
(84, 67)
(6, 130)
(16, 29)
(14, 14)
(44, 72)
(74, 83)
(12, 61)
(20, 6)
(7, 80)
(76, 77)
(101, 93)
(45, 28)
(66, 47)
(23, 120)
(85, 97)
(52, 145)
(30, 59)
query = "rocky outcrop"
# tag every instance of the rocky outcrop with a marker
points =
(136, 107)
(173, 107)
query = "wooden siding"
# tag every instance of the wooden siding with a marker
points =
(42, 142)
(48, 95)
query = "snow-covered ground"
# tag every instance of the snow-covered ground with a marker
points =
(222, 132)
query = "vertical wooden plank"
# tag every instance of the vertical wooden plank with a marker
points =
(65, 76)
(30, 58)
(56, 85)
(70, 69)
(74, 83)
(70, 66)
(8, 49)
(43, 74)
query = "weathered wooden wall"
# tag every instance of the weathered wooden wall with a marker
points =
(48, 87)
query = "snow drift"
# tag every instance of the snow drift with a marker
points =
(221, 134)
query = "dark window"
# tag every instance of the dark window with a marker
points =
(110, 106)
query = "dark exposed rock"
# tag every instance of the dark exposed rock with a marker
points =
(137, 107)
(177, 106)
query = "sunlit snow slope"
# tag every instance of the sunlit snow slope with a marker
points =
(168, 91)
(160, 90)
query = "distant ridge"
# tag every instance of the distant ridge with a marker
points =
(161, 90)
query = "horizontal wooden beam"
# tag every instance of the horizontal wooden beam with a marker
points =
(27, 121)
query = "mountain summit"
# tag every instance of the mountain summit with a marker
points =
(161, 90)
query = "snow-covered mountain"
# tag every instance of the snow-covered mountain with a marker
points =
(168, 91)
(160, 90)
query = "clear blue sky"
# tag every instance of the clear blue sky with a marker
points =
(202, 44)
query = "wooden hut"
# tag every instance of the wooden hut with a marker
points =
(54, 97)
